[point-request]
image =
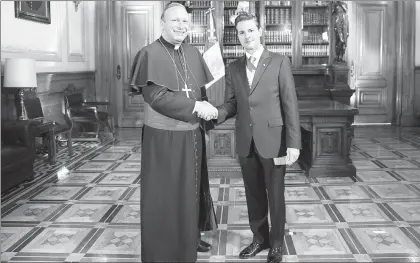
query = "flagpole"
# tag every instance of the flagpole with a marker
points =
(207, 125)
(211, 30)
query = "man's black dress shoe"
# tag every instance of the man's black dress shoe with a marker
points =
(252, 250)
(275, 255)
(203, 246)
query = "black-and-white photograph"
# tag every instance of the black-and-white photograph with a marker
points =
(210, 131)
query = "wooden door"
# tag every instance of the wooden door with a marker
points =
(137, 24)
(372, 57)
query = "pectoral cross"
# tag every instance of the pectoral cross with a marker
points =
(186, 90)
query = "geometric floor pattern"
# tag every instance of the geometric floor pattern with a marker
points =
(86, 207)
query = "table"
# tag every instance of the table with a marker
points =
(327, 133)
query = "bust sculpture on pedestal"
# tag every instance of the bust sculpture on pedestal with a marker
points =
(341, 28)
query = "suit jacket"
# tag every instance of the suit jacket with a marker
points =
(267, 111)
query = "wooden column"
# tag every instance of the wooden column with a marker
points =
(103, 51)
(405, 94)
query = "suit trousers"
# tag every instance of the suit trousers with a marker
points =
(264, 190)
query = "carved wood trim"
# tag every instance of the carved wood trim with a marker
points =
(405, 92)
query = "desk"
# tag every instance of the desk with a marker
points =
(327, 133)
(45, 129)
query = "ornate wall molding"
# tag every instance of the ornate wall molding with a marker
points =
(39, 55)
(76, 33)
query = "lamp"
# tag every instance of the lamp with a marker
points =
(20, 73)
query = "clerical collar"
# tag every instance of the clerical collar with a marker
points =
(167, 44)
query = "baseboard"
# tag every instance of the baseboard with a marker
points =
(410, 121)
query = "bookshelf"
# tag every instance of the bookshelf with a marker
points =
(276, 19)
(199, 21)
(298, 29)
(316, 17)
(232, 49)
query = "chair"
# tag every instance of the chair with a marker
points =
(17, 153)
(85, 112)
(35, 113)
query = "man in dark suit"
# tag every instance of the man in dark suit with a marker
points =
(260, 91)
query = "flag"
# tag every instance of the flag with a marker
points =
(213, 55)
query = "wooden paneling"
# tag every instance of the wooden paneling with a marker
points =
(372, 52)
(105, 68)
(405, 111)
(417, 92)
(222, 144)
(221, 151)
(372, 35)
(136, 19)
(136, 24)
(50, 91)
(372, 99)
(329, 143)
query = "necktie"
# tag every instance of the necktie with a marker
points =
(250, 63)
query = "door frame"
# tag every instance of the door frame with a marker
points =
(403, 62)
(359, 80)
(119, 52)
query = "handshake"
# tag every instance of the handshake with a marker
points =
(205, 110)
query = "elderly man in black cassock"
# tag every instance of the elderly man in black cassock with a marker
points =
(175, 197)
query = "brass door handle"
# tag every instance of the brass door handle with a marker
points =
(118, 72)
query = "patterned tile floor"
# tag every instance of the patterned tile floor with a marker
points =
(86, 207)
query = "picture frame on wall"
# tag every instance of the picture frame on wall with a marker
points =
(38, 11)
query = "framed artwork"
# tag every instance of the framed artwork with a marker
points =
(38, 11)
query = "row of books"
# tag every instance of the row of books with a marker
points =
(306, 60)
(278, 16)
(231, 3)
(282, 49)
(227, 14)
(315, 50)
(197, 37)
(310, 18)
(200, 4)
(315, 60)
(314, 37)
(233, 51)
(277, 3)
(315, 3)
(273, 16)
(307, 50)
(230, 35)
(278, 36)
(199, 17)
